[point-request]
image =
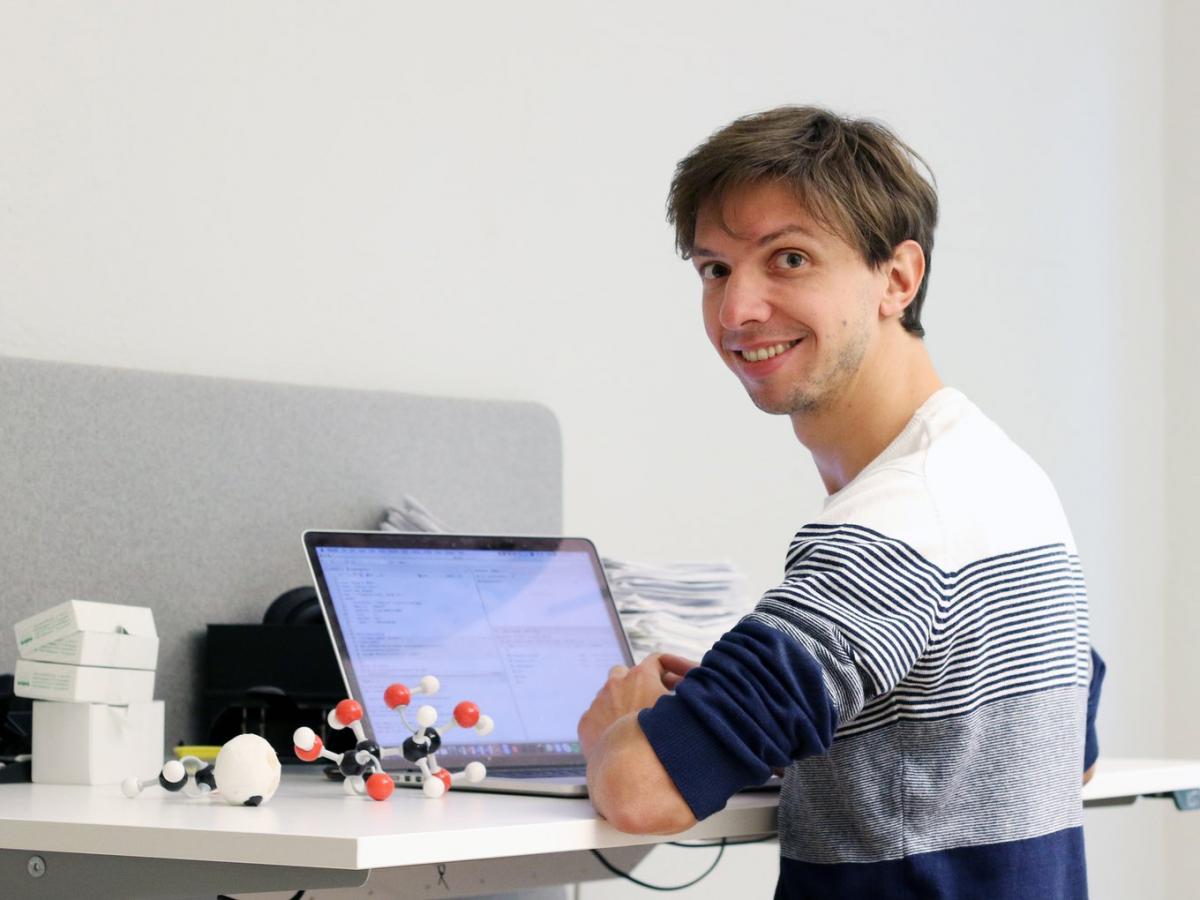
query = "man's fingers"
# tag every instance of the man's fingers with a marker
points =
(670, 679)
(618, 672)
(677, 665)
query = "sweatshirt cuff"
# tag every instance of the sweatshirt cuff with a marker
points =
(705, 771)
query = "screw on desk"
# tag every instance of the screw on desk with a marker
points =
(36, 867)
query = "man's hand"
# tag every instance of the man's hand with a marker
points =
(674, 668)
(1087, 776)
(627, 783)
(630, 690)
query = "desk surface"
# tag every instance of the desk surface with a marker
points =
(1126, 777)
(310, 821)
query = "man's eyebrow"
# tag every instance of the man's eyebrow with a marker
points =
(785, 230)
(762, 241)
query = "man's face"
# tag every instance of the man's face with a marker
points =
(791, 307)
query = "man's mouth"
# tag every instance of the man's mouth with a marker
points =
(761, 353)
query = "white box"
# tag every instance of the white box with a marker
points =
(82, 684)
(90, 743)
(82, 615)
(94, 648)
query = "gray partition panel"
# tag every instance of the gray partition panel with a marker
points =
(189, 494)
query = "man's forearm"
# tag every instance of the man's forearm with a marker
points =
(630, 787)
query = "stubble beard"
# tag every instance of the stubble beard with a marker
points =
(819, 392)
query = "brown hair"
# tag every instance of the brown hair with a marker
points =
(854, 175)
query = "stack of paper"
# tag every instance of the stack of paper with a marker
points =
(677, 607)
(411, 515)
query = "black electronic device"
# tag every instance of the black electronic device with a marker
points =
(271, 679)
(16, 733)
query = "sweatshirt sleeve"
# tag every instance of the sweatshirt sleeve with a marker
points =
(756, 702)
(1091, 748)
(847, 623)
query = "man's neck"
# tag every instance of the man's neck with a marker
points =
(856, 426)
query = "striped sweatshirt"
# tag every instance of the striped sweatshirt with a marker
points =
(922, 673)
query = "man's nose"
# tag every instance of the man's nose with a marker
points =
(744, 300)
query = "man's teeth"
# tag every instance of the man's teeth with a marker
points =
(767, 352)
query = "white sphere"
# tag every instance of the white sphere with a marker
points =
(333, 721)
(426, 716)
(430, 684)
(304, 737)
(475, 772)
(354, 785)
(247, 771)
(130, 787)
(433, 787)
(174, 771)
(485, 725)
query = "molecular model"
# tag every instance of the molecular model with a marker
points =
(246, 773)
(363, 766)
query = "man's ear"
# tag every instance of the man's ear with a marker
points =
(904, 271)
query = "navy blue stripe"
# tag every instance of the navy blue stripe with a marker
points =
(981, 609)
(914, 568)
(880, 628)
(827, 529)
(995, 679)
(1041, 555)
(981, 592)
(1050, 867)
(887, 573)
(879, 657)
(967, 669)
(1029, 620)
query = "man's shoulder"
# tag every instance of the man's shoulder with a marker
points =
(892, 505)
(954, 488)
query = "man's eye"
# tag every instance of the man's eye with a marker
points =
(713, 270)
(790, 259)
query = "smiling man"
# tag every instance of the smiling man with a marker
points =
(922, 673)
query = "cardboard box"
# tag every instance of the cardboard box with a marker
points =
(90, 743)
(67, 618)
(82, 684)
(94, 648)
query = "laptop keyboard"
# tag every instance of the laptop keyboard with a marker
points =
(547, 772)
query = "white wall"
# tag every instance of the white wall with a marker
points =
(1183, 415)
(467, 200)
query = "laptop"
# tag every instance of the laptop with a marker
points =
(524, 627)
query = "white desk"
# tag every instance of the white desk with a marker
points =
(1121, 781)
(94, 842)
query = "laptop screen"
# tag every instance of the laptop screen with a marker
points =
(523, 627)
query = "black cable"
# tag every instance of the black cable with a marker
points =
(658, 887)
(295, 896)
(700, 845)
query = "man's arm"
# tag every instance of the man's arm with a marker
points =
(757, 702)
(1091, 748)
(626, 781)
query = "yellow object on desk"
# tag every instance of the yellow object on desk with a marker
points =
(202, 752)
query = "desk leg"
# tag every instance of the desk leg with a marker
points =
(71, 876)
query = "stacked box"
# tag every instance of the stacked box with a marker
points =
(90, 667)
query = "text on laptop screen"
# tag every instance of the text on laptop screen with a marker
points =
(526, 635)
